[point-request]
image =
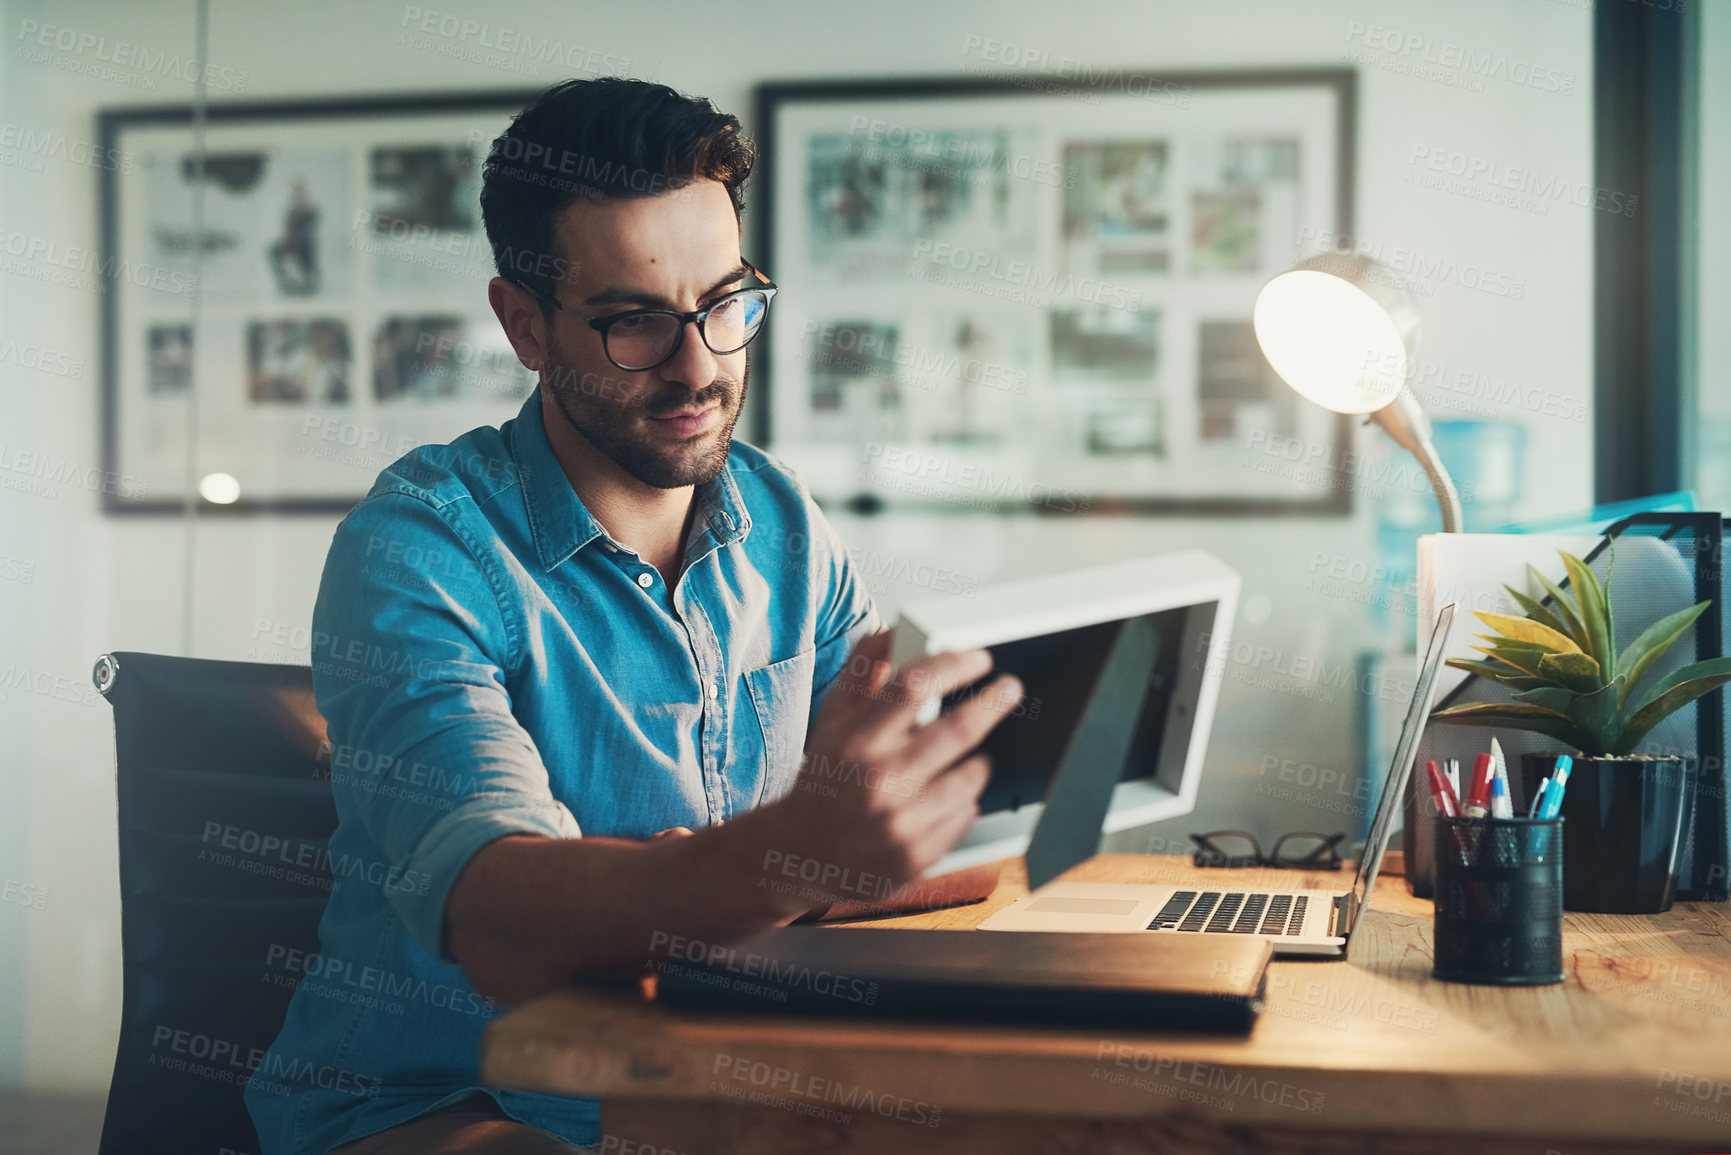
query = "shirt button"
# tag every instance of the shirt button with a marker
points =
(645, 580)
(714, 692)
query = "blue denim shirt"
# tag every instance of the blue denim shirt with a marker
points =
(490, 662)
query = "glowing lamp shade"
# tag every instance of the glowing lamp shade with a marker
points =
(1341, 330)
(1332, 341)
(219, 488)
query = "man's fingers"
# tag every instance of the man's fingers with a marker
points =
(967, 724)
(671, 832)
(930, 677)
(879, 678)
(956, 789)
(951, 831)
(953, 801)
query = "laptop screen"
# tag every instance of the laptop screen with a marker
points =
(1394, 786)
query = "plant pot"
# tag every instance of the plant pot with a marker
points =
(1625, 820)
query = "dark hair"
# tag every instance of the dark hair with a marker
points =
(608, 137)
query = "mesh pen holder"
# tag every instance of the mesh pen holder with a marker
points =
(1499, 900)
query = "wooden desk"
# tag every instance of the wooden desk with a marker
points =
(1632, 1053)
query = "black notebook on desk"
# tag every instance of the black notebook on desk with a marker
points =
(1116, 980)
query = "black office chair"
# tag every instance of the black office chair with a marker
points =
(225, 813)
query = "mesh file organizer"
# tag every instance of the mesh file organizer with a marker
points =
(1499, 900)
(1664, 562)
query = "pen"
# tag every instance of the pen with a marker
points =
(1538, 805)
(1478, 800)
(1554, 787)
(1538, 845)
(1561, 774)
(1453, 768)
(1501, 807)
(1553, 796)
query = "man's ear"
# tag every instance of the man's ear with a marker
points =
(520, 316)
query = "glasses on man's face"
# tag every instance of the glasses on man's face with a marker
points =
(1297, 851)
(644, 339)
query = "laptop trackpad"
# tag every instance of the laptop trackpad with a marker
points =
(1056, 905)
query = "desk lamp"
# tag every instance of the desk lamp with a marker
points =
(1340, 330)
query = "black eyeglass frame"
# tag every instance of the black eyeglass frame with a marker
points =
(699, 317)
(1325, 857)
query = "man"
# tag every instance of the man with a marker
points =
(560, 646)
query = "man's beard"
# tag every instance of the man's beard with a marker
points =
(619, 429)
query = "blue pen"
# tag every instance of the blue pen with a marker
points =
(1564, 765)
(1553, 796)
(1539, 799)
(1534, 811)
(1501, 807)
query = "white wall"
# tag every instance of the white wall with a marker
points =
(100, 584)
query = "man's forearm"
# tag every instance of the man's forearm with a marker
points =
(530, 913)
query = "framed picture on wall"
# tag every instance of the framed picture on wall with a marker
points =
(316, 284)
(1034, 291)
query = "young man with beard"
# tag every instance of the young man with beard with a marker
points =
(558, 647)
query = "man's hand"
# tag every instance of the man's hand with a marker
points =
(881, 798)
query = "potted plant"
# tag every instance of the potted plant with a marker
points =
(1623, 811)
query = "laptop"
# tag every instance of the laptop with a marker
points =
(1297, 922)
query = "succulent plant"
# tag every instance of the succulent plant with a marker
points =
(1571, 682)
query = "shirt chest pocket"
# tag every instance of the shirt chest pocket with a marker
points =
(781, 698)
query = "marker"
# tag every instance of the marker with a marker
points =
(1453, 769)
(1452, 781)
(1478, 803)
(1448, 805)
(1440, 793)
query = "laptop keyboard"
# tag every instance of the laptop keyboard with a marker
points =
(1231, 912)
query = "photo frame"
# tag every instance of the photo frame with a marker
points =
(1033, 291)
(339, 316)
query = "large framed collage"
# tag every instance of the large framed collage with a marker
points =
(999, 294)
(336, 315)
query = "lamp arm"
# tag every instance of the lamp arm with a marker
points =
(1443, 485)
(1404, 420)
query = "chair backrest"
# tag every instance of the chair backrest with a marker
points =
(225, 813)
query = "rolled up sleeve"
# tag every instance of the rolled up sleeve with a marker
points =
(846, 612)
(411, 645)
